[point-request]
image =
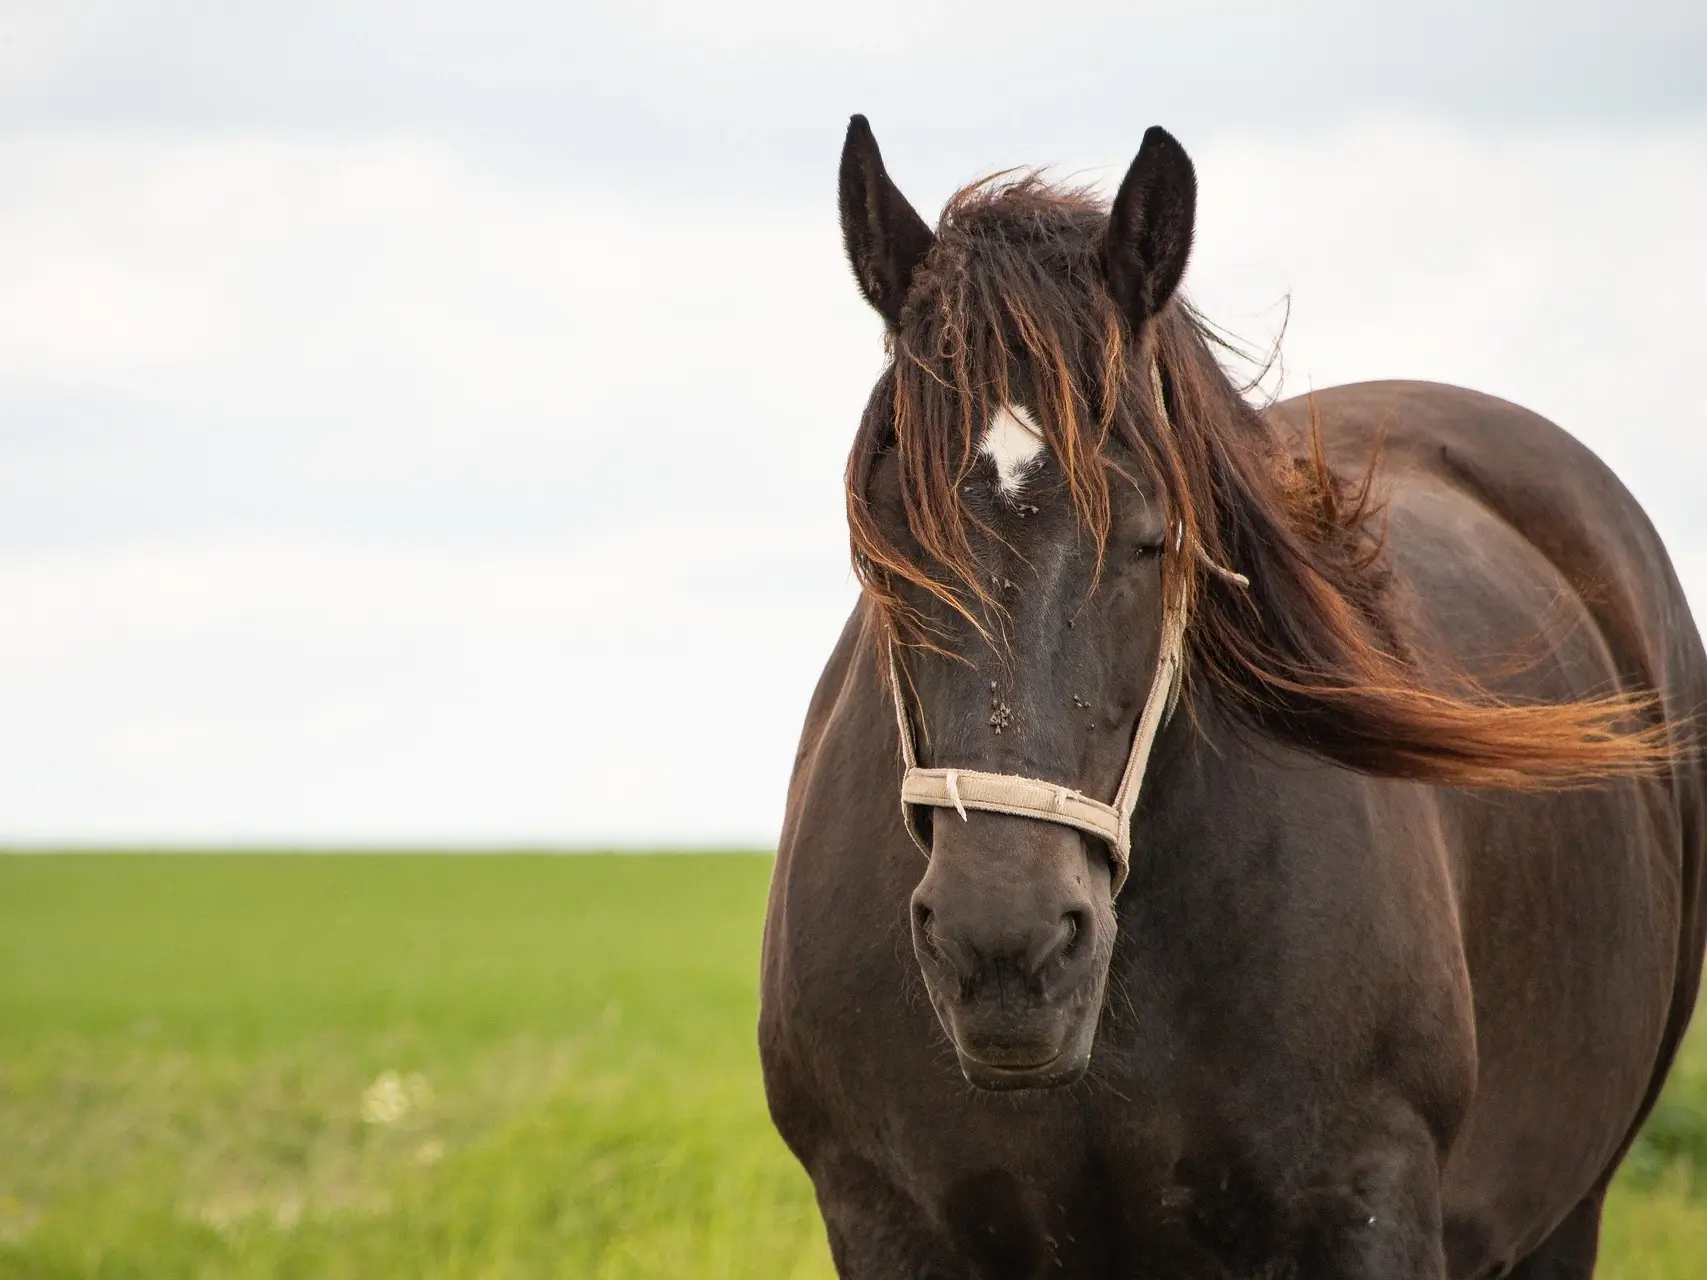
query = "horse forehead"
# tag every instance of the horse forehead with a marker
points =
(1014, 442)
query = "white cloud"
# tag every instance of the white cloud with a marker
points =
(390, 333)
(1564, 272)
(359, 491)
(636, 688)
(37, 40)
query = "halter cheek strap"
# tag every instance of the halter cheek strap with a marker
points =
(963, 789)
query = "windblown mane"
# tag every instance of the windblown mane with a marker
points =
(1312, 651)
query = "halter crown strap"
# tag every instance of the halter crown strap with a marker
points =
(963, 789)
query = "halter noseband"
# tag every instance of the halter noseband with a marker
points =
(963, 789)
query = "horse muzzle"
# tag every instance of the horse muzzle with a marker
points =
(1013, 940)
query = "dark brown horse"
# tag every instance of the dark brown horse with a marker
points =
(1313, 827)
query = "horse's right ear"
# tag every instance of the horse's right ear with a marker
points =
(886, 240)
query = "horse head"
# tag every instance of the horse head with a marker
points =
(1028, 649)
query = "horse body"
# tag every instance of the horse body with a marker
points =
(1354, 1026)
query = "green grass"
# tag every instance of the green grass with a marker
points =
(448, 1066)
(186, 1042)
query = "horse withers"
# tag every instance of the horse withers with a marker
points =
(1222, 843)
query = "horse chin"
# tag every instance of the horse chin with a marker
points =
(1067, 1067)
(1046, 1062)
(1011, 1051)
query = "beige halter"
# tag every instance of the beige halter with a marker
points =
(963, 789)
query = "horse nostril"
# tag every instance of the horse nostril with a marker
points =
(1076, 923)
(1062, 943)
(923, 917)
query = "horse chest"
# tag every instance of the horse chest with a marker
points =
(1128, 1169)
(1099, 1185)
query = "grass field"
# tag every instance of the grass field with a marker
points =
(448, 1066)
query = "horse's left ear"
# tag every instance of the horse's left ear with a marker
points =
(1149, 228)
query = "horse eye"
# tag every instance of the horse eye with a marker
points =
(1148, 549)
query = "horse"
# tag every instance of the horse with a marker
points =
(1224, 841)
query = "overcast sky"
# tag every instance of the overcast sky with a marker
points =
(424, 423)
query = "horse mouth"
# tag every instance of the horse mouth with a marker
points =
(1064, 1068)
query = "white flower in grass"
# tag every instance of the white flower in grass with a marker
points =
(391, 1097)
(429, 1153)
